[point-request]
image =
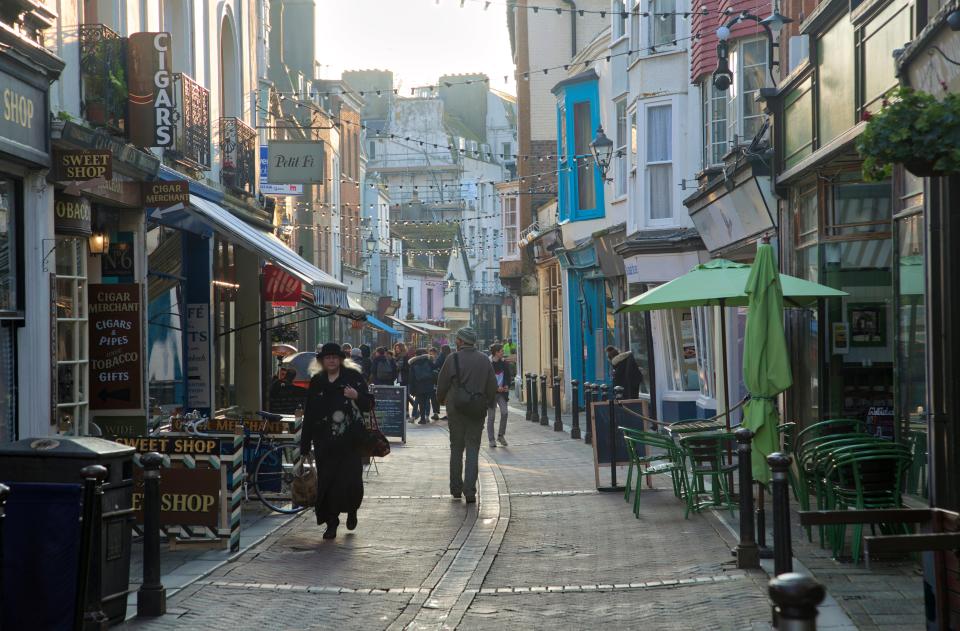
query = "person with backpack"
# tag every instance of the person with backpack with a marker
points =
(467, 385)
(421, 384)
(384, 368)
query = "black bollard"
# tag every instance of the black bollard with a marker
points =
(588, 391)
(557, 405)
(795, 598)
(152, 595)
(544, 419)
(526, 387)
(89, 608)
(782, 545)
(748, 556)
(4, 492)
(535, 414)
(575, 409)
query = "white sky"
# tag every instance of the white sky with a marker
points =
(418, 40)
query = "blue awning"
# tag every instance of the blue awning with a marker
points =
(383, 327)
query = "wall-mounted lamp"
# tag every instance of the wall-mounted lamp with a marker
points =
(602, 149)
(99, 243)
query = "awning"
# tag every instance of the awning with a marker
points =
(355, 307)
(326, 289)
(431, 328)
(383, 327)
(415, 328)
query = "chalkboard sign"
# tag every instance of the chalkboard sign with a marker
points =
(600, 427)
(391, 409)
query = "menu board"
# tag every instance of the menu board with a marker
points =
(601, 426)
(115, 351)
(391, 408)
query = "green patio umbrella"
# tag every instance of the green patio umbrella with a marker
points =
(766, 364)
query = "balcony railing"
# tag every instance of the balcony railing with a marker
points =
(191, 117)
(103, 77)
(238, 148)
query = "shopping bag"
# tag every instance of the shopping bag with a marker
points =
(303, 488)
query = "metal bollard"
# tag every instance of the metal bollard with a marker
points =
(88, 614)
(748, 556)
(526, 386)
(4, 492)
(795, 599)
(588, 391)
(152, 595)
(544, 419)
(535, 414)
(782, 545)
(557, 404)
(575, 409)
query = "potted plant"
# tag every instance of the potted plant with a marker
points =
(915, 129)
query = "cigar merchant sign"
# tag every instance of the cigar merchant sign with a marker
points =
(115, 356)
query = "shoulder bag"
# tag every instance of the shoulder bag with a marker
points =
(464, 401)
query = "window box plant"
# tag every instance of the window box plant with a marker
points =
(915, 129)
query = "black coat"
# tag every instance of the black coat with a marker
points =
(627, 375)
(336, 440)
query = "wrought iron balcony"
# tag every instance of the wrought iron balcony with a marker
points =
(191, 117)
(103, 77)
(238, 151)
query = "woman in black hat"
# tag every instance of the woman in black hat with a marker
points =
(334, 430)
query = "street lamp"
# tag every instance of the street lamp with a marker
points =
(602, 148)
(371, 243)
(772, 25)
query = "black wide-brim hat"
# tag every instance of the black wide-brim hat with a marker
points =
(331, 348)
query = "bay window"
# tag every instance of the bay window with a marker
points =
(659, 163)
(621, 148)
(635, 13)
(583, 136)
(680, 349)
(714, 124)
(662, 24)
(511, 228)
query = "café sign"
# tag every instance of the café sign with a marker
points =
(296, 162)
(71, 215)
(82, 164)
(150, 85)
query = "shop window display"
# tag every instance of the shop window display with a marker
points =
(680, 349)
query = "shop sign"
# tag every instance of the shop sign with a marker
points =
(279, 286)
(76, 165)
(151, 91)
(188, 497)
(165, 194)
(735, 217)
(266, 188)
(22, 113)
(118, 261)
(115, 351)
(71, 215)
(123, 152)
(173, 445)
(119, 191)
(936, 74)
(198, 355)
(295, 162)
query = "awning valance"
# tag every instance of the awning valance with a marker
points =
(431, 328)
(407, 325)
(382, 326)
(327, 290)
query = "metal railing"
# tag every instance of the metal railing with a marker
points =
(191, 137)
(238, 148)
(103, 77)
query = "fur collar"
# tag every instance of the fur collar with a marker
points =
(417, 358)
(619, 358)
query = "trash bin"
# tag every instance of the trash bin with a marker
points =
(59, 460)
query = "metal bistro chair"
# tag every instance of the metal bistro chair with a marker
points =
(706, 456)
(669, 461)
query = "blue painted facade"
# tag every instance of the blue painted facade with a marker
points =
(574, 159)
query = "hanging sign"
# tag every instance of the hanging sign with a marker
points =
(166, 194)
(150, 89)
(295, 162)
(279, 286)
(22, 113)
(267, 188)
(71, 215)
(78, 165)
(115, 360)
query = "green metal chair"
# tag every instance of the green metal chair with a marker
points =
(706, 457)
(831, 426)
(668, 461)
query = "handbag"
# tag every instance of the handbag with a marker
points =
(375, 443)
(471, 404)
(303, 488)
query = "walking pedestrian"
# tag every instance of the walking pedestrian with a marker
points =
(626, 372)
(501, 369)
(384, 370)
(403, 373)
(366, 363)
(347, 348)
(421, 384)
(441, 360)
(435, 366)
(334, 430)
(467, 386)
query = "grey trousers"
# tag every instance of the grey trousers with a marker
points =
(499, 402)
(464, 435)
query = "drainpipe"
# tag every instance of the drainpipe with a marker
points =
(573, 26)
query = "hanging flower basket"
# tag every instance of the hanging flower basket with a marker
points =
(914, 129)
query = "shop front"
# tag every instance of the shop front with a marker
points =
(27, 326)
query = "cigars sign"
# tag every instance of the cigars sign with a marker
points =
(115, 354)
(151, 89)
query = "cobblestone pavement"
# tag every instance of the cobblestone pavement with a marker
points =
(542, 549)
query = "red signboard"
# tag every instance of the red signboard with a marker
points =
(279, 286)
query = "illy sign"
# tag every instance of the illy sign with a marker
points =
(151, 90)
(296, 162)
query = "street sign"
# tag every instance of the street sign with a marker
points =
(115, 359)
(391, 409)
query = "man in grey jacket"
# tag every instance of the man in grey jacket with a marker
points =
(476, 376)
